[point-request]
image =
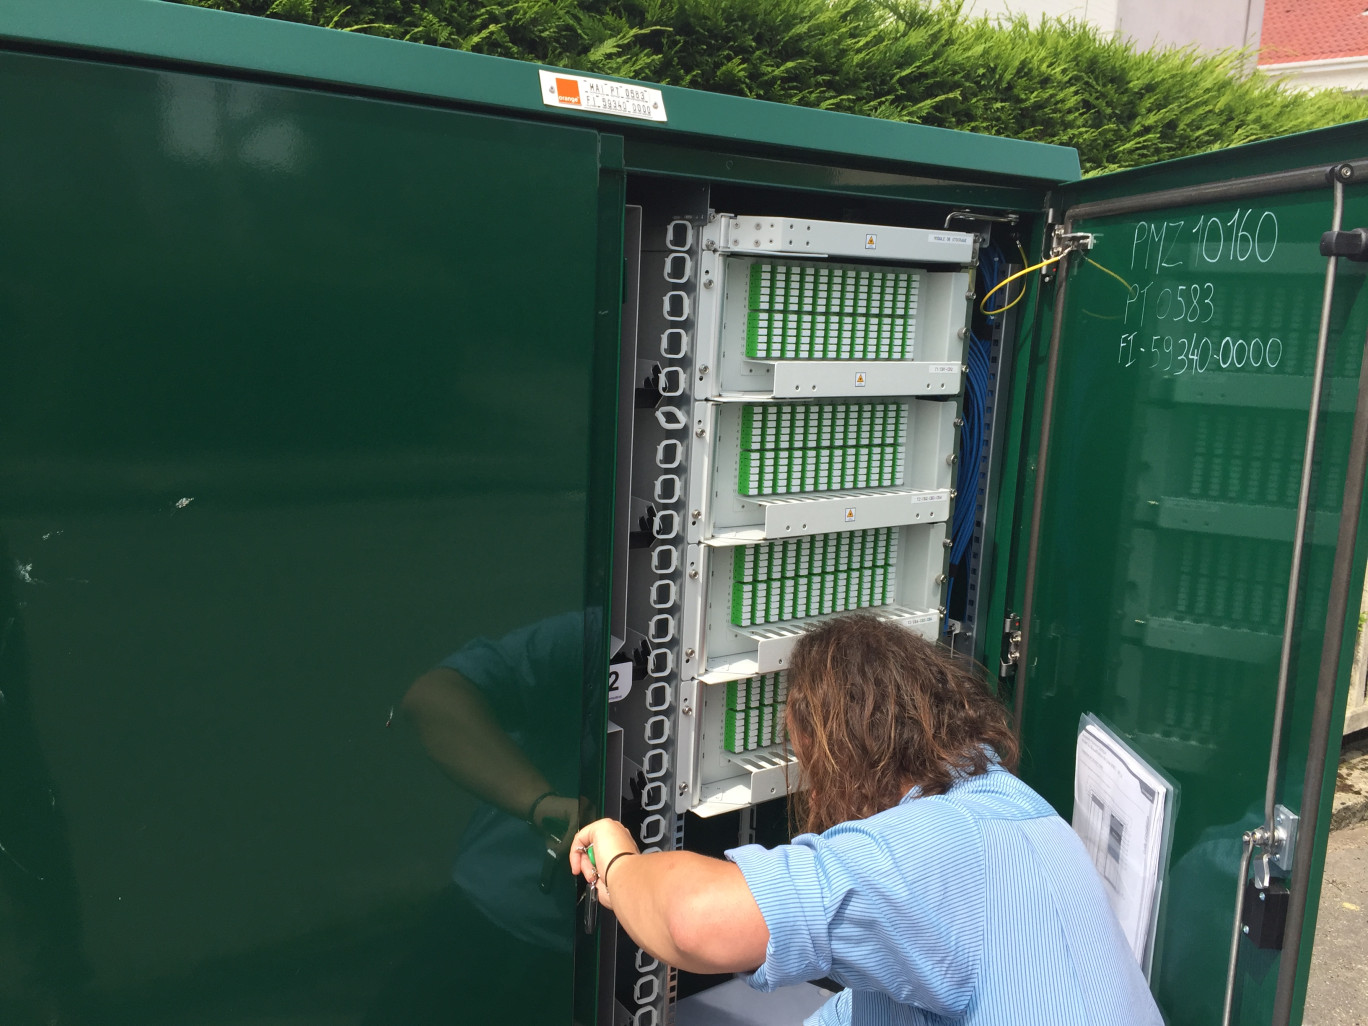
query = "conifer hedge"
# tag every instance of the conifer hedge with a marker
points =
(908, 60)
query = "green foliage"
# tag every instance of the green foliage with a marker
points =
(907, 60)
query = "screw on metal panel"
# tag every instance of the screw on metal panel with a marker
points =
(941, 610)
(693, 575)
(951, 459)
(970, 294)
(941, 578)
(954, 493)
(963, 333)
(703, 369)
(959, 422)
(686, 709)
(947, 543)
(700, 433)
(683, 787)
(964, 368)
(1345, 171)
(695, 514)
(711, 245)
(708, 283)
(688, 654)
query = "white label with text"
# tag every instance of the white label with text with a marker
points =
(619, 681)
(602, 96)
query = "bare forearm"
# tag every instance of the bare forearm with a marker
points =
(692, 912)
(647, 893)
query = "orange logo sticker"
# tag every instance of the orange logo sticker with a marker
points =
(567, 91)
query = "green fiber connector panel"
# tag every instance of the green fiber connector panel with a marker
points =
(814, 575)
(805, 311)
(755, 713)
(809, 447)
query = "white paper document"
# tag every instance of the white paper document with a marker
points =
(1120, 804)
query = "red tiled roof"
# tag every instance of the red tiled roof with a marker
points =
(1313, 30)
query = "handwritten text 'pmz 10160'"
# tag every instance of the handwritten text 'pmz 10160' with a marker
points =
(1175, 316)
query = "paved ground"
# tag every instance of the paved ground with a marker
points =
(1337, 994)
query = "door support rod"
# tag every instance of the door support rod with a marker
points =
(1038, 495)
(1271, 184)
(1266, 837)
(1339, 176)
(1323, 711)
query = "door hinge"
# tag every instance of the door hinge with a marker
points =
(1059, 242)
(1011, 645)
(1062, 242)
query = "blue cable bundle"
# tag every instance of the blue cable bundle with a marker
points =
(972, 437)
(974, 427)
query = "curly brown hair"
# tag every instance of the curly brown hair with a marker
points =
(873, 710)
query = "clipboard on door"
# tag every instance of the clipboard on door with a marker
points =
(1123, 812)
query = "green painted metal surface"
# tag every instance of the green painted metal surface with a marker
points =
(172, 32)
(297, 399)
(1170, 500)
(834, 179)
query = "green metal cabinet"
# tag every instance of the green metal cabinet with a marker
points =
(309, 387)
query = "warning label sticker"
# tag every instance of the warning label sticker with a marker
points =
(871, 242)
(860, 379)
(602, 96)
(850, 515)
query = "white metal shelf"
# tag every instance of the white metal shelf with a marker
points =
(934, 366)
(754, 777)
(773, 644)
(823, 379)
(795, 236)
(725, 516)
(787, 516)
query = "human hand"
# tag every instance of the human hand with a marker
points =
(557, 818)
(609, 839)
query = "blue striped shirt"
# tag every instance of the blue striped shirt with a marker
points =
(978, 906)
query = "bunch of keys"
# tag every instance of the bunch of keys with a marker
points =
(590, 895)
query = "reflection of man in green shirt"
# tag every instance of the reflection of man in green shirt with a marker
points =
(487, 715)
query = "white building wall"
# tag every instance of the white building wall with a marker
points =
(1208, 24)
(1347, 73)
(1101, 13)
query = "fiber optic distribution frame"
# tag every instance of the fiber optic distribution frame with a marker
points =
(794, 416)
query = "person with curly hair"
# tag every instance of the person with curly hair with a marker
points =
(930, 882)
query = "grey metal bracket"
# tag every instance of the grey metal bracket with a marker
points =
(1011, 645)
(1062, 241)
(1284, 841)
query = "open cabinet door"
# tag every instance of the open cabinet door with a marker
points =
(299, 397)
(1170, 519)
